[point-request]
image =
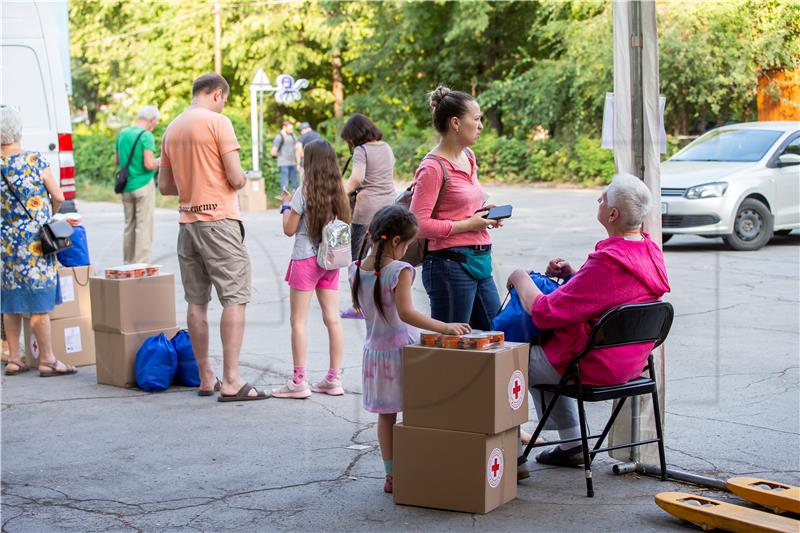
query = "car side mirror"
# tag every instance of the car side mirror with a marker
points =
(787, 160)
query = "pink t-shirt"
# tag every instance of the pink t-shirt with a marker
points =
(464, 195)
(618, 272)
(193, 146)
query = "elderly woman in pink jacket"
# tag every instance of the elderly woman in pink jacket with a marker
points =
(627, 267)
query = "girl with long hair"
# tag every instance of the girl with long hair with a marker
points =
(381, 289)
(319, 200)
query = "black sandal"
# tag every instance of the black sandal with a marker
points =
(217, 387)
(243, 395)
(556, 456)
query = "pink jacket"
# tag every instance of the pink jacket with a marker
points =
(463, 196)
(618, 272)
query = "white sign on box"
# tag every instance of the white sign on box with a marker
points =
(67, 289)
(72, 340)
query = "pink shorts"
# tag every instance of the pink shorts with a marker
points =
(307, 275)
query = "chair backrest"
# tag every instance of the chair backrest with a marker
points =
(631, 324)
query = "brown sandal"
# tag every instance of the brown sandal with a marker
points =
(21, 367)
(217, 387)
(54, 372)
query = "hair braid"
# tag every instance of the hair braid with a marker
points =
(376, 292)
(357, 277)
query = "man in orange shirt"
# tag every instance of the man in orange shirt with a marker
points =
(200, 164)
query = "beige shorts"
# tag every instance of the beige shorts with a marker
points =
(213, 253)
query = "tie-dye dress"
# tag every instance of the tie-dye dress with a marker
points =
(382, 370)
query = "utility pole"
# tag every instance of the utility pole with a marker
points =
(217, 39)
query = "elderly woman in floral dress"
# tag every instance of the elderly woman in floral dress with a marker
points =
(30, 284)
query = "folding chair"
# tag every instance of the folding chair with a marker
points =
(620, 326)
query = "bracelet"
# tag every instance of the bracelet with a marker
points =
(284, 207)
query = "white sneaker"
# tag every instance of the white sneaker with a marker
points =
(298, 391)
(334, 388)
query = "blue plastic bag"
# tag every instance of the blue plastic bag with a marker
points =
(514, 320)
(156, 363)
(78, 254)
(187, 374)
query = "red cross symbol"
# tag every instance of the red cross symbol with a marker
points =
(495, 467)
(516, 389)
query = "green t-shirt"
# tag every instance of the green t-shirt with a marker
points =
(138, 176)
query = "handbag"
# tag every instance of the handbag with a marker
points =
(514, 320)
(55, 235)
(121, 181)
(417, 249)
(351, 196)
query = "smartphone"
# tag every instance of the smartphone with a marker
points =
(499, 212)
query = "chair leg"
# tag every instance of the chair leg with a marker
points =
(587, 461)
(660, 434)
(540, 426)
(606, 429)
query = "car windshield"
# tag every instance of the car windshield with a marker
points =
(730, 145)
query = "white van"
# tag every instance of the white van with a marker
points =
(35, 81)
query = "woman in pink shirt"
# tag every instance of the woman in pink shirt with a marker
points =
(457, 270)
(627, 267)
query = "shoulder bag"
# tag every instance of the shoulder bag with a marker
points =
(56, 235)
(121, 180)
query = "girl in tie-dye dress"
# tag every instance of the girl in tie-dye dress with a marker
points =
(381, 286)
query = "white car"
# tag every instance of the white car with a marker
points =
(739, 182)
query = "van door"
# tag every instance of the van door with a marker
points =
(787, 185)
(25, 87)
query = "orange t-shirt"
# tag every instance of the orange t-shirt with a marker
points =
(193, 146)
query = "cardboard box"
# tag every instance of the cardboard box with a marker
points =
(454, 470)
(133, 305)
(74, 293)
(252, 197)
(480, 391)
(73, 341)
(116, 355)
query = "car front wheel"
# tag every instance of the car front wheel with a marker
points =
(752, 227)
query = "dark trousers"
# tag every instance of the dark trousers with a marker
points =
(456, 296)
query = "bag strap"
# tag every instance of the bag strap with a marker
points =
(133, 149)
(10, 188)
(442, 190)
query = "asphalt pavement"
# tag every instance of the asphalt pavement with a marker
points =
(78, 456)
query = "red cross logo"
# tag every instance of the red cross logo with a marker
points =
(517, 388)
(495, 467)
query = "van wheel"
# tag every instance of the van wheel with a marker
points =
(752, 227)
(665, 237)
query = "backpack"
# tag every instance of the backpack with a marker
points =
(333, 251)
(156, 363)
(187, 372)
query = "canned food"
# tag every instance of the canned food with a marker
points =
(475, 341)
(449, 341)
(496, 337)
(429, 338)
(152, 270)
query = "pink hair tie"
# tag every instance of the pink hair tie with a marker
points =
(383, 237)
(358, 262)
(377, 273)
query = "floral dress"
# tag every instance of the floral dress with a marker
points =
(382, 366)
(30, 281)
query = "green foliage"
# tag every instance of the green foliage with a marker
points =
(540, 70)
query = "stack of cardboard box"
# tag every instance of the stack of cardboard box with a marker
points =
(70, 322)
(457, 446)
(252, 197)
(125, 312)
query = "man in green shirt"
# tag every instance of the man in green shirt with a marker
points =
(139, 196)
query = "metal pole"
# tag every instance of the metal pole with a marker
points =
(678, 475)
(637, 92)
(261, 141)
(254, 133)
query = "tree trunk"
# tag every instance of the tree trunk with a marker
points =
(338, 85)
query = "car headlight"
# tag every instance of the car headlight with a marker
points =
(707, 190)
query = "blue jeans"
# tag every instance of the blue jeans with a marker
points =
(458, 297)
(289, 178)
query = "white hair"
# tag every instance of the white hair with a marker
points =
(149, 112)
(632, 199)
(10, 125)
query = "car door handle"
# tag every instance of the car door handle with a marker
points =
(52, 146)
